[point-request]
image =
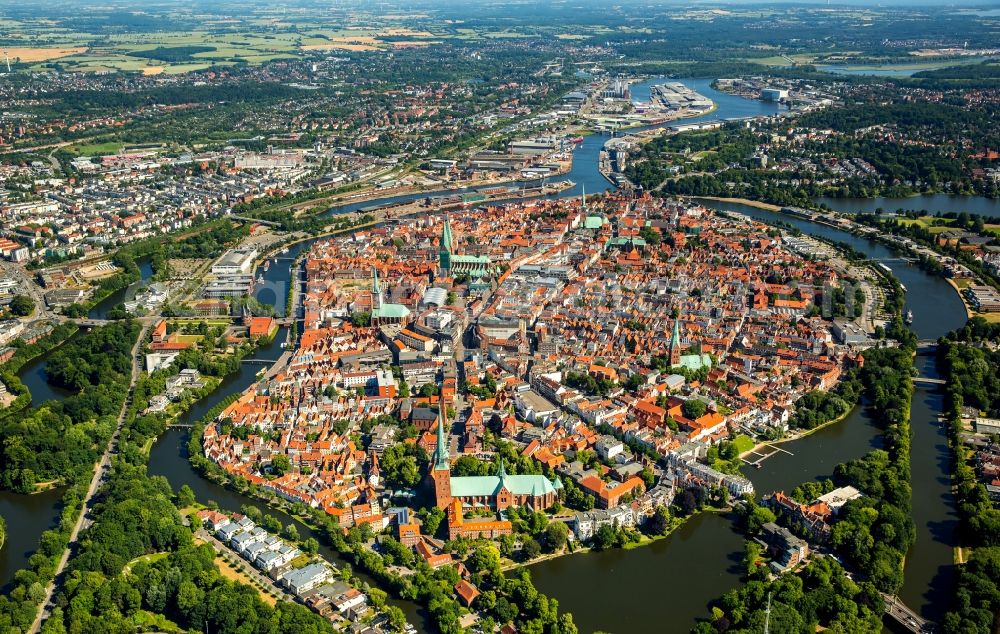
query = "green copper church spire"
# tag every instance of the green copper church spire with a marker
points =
(441, 449)
(444, 249)
(675, 343)
(376, 288)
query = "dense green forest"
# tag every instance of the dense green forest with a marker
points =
(971, 371)
(61, 440)
(821, 595)
(967, 76)
(250, 92)
(173, 54)
(874, 532)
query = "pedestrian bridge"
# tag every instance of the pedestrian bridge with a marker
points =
(927, 381)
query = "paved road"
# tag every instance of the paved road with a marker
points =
(905, 616)
(26, 286)
(100, 475)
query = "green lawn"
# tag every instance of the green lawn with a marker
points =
(95, 149)
(930, 223)
(744, 443)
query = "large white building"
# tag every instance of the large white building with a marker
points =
(235, 262)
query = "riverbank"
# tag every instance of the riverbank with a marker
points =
(645, 540)
(342, 199)
(12, 370)
(744, 201)
(805, 433)
(968, 309)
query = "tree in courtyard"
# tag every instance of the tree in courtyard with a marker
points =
(432, 520)
(693, 408)
(280, 465)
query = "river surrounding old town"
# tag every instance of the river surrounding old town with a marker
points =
(666, 586)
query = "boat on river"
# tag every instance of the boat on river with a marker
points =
(908, 319)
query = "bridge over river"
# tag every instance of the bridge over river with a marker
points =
(906, 617)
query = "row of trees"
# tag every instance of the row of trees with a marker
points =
(19, 604)
(971, 374)
(875, 531)
(60, 446)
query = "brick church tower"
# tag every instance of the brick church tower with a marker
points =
(440, 469)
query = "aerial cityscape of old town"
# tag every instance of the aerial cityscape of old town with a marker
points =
(534, 317)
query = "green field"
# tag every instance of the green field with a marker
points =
(185, 51)
(744, 443)
(95, 149)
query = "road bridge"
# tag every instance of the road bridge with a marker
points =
(260, 361)
(906, 617)
(92, 323)
(269, 223)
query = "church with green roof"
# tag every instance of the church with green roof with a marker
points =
(692, 362)
(384, 312)
(496, 492)
(479, 268)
